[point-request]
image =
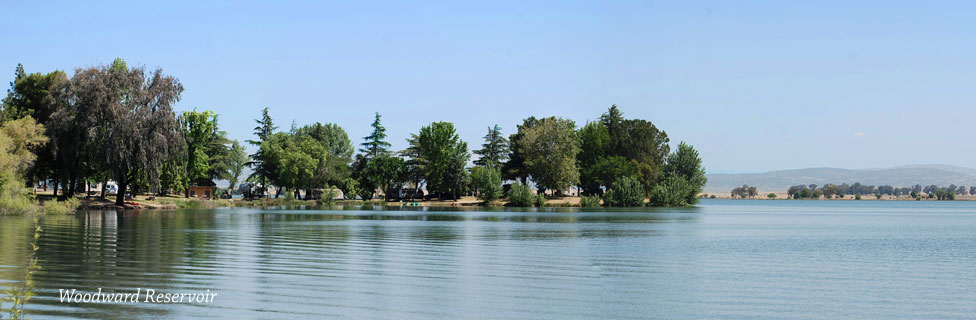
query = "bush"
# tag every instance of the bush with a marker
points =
(857, 196)
(61, 207)
(488, 183)
(625, 192)
(327, 197)
(670, 193)
(590, 201)
(771, 196)
(540, 200)
(520, 196)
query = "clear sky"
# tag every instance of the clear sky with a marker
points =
(754, 85)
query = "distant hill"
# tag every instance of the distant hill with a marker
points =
(904, 176)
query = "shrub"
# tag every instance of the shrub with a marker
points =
(590, 201)
(625, 192)
(327, 197)
(771, 196)
(670, 193)
(520, 196)
(540, 200)
(857, 196)
(61, 207)
(488, 183)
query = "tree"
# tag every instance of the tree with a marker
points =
(135, 117)
(17, 139)
(294, 158)
(487, 182)
(442, 155)
(687, 165)
(334, 162)
(388, 173)
(374, 145)
(594, 142)
(41, 96)
(263, 131)
(494, 151)
(514, 168)
(625, 192)
(236, 160)
(549, 152)
(206, 151)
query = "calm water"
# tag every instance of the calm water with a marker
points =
(723, 259)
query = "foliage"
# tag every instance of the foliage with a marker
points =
(687, 165)
(520, 195)
(494, 151)
(745, 191)
(515, 168)
(133, 117)
(487, 182)
(236, 160)
(590, 201)
(61, 207)
(594, 143)
(771, 195)
(625, 192)
(540, 200)
(387, 172)
(262, 171)
(375, 145)
(17, 139)
(671, 192)
(549, 151)
(442, 156)
(207, 154)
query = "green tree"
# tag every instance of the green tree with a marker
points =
(625, 192)
(549, 152)
(388, 173)
(262, 171)
(594, 143)
(17, 139)
(375, 145)
(487, 182)
(206, 151)
(514, 168)
(687, 165)
(494, 151)
(334, 162)
(519, 195)
(671, 192)
(443, 155)
(236, 160)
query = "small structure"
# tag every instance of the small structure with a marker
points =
(203, 188)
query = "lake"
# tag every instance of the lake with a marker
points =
(722, 259)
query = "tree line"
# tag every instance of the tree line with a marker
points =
(857, 189)
(113, 122)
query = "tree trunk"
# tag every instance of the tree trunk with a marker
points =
(278, 192)
(56, 187)
(120, 196)
(104, 184)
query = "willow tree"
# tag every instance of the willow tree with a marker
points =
(135, 121)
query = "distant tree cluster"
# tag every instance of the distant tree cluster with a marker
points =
(829, 191)
(745, 191)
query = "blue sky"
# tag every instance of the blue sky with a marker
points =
(754, 85)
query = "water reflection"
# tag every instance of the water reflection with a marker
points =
(706, 262)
